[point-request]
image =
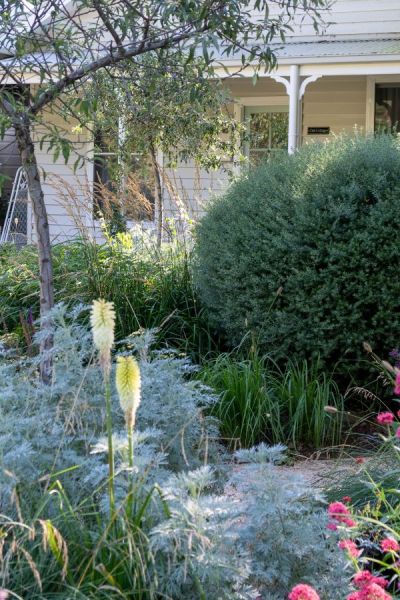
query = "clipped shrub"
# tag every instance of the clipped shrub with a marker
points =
(303, 251)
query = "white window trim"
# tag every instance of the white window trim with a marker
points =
(266, 104)
(372, 80)
(91, 172)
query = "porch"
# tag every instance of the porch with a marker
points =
(324, 88)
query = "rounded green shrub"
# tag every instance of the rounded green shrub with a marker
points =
(303, 252)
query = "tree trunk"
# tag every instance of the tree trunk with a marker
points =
(159, 208)
(29, 164)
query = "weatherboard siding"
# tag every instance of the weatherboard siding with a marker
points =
(66, 190)
(354, 19)
(335, 102)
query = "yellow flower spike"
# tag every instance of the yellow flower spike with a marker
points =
(128, 384)
(102, 320)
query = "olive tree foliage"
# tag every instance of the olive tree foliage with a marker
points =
(60, 44)
(164, 104)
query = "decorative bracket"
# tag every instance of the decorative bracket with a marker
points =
(286, 82)
(280, 79)
(305, 83)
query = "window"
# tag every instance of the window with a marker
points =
(267, 131)
(387, 107)
(127, 180)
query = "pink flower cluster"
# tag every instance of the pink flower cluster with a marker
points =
(370, 587)
(339, 513)
(363, 578)
(371, 591)
(387, 418)
(350, 547)
(389, 544)
(302, 591)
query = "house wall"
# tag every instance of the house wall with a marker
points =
(335, 102)
(193, 187)
(346, 19)
(188, 189)
(354, 19)
(67, 191)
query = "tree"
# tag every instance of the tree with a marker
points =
(181, 111)
(61, 45)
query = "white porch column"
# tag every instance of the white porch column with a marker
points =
(294, 99)
(295, 91)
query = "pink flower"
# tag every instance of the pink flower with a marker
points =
(347, 499)
(390, 545)
(397, 434)
(385, 418)
(373, 591)
(350, 522)
(360, 460)
(397, 384)
(363, 578)
(339, 512)
(330, 526)
(3, 594)
(336, 509)
(302, 591)
(350, 547)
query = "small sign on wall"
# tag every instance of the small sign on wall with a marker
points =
(318, 130)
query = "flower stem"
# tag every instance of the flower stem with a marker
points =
(130, 462)
(111, 472)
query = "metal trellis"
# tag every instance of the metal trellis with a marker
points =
(15, 228)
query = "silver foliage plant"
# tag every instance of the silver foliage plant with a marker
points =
(46, 429)
(284, 528)
(258, 537)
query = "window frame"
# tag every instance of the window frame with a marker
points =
(250, 109)
(136, 155)
(372, 80)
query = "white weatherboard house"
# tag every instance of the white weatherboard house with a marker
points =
(345, 78)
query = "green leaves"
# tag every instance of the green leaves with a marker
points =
(323, 225)
(178, 109)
